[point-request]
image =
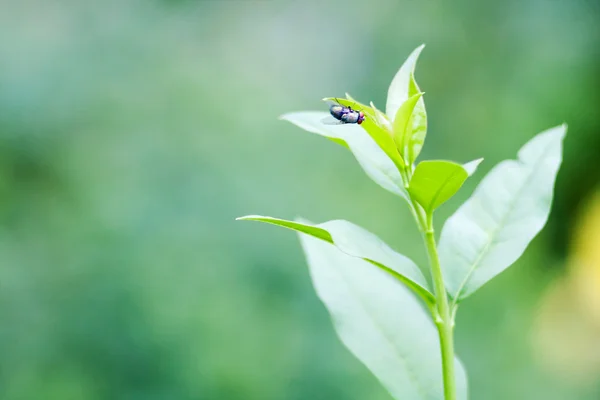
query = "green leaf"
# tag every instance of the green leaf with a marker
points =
(369, 155)
(471, 166)
(398, 91)
(492, 229)
(381, 322)
(382, 119)
(434, 182)
(378, 133)
(358, 242)
(419, 122)
(403, 126)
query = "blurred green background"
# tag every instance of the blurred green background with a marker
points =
(132, 133)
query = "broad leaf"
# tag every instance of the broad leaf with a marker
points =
(510, 206)
(369, 155)
(434, 182)
(358, 242)
(381, 322)
(403, 127)
(377, 132)
(398, 91)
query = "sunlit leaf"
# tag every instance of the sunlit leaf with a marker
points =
(398, 91)
(359, 106)
(434, 182)
(510, 206)
(419, 122)
(471, 166)
(378, 133)
(402, 126)
(382, 119)
(381, 322)
(358, 242)
(369, 155)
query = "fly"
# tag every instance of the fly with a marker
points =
(344, 115)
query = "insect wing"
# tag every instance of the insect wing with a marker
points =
(331, 121)
(350, 118)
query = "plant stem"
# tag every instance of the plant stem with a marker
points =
(443, 320)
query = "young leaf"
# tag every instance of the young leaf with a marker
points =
(358, 242)
(403, 126)
(348, 97)
(369, 155)
(381, 119)
(381, 322)
(377, 132)
(398, 91)
(419, 122)
(434, 182)
(471, 166)
(507, 210)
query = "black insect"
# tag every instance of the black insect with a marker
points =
(344, 115)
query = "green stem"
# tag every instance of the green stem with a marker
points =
(443, 320)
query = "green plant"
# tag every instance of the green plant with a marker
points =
(399, 324)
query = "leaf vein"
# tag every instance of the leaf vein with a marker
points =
(492, 235)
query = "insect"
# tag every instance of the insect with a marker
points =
(344, 115)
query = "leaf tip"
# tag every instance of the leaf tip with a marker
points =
(560, 131)
(302, 220)
(471, 166)
(248, 218)
(417, 52)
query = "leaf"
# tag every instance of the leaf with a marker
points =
(381, 322)
(403, 126)
(398, 91)
(471, 166)
(358, 242)
(360, 106)
(492, 229)
(434, 182)
(379, 134)
(381, 119)
(419, 122)
(369, 155)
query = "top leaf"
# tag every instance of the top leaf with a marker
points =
(398, 91)
(403, 127)
(377, 132)
(403, 87)
(491, 230)
(419, 123)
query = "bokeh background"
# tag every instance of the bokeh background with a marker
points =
(132, 133)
